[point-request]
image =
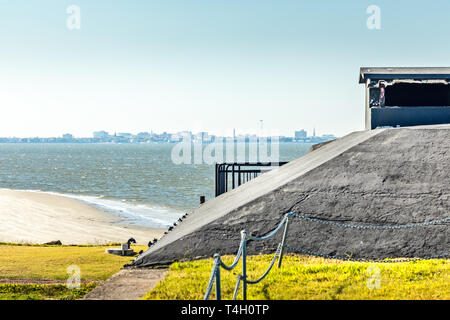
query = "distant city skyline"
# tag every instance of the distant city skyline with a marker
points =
(203, 65)
(228, 132)
(150, 136)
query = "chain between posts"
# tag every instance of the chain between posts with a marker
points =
(373, 227)
(369, 227)
(242, 251)
(349, 258)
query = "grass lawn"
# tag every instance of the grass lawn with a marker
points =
(36, 262)
(304, 277)
(43, 291)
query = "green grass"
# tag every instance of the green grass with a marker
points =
(43, 292)
(51, 262)
(25, 244)
(302, 277)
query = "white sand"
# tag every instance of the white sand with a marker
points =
(35, 217)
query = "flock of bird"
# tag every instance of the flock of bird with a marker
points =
(151, 243)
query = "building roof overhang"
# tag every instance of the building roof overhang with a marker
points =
(415, 73)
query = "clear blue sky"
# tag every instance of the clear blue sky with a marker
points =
(203, 64)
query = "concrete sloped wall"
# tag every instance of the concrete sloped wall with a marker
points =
(378, 177)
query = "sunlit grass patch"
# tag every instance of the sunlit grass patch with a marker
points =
(51, 262)
(304, 277)
(43, 291)
(25, 244)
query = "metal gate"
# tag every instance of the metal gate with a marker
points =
(232, 175)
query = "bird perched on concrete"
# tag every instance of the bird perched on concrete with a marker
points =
(130, 241)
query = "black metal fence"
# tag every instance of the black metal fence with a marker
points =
(232, 175)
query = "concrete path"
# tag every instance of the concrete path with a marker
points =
(128, 284)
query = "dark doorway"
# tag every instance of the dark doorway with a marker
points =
(417, 94)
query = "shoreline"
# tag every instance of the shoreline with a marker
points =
(39, 217)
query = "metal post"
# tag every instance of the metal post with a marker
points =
(232, 172)
(217, 179)
(236, 288)
(244, 266)
(218, 293)
(283, 241)
(239, 175)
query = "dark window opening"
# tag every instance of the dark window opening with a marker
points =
(416, 94)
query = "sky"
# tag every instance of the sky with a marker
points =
(203, 65)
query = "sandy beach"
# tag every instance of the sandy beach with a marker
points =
(36, 217)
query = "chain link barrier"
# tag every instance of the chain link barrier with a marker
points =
(372, 227)
(349, 258)
(368, 227)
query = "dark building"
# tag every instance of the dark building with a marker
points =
(406, 96)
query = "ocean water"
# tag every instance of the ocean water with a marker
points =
(137, 183)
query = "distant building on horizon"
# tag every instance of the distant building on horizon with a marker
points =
(67, 136)
(124, 135)
(100, 134)
(300, 135)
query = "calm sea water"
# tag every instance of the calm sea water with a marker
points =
(138, 183)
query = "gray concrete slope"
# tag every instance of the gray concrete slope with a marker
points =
(378, 177)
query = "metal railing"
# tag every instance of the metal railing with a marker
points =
(232, 175)
(242, 251)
